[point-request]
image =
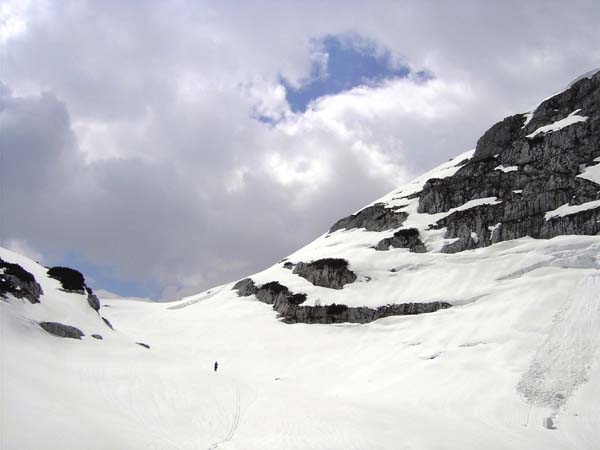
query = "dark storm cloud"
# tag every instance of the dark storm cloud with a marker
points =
(128, 134)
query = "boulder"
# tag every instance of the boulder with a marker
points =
(92, 299)
(245, 287)
(61, 330)
(71, 280)
(406, 238)
(332, 273)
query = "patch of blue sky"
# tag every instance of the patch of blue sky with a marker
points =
(104, 277)
(343, 63)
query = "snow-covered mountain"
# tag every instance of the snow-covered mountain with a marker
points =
(460, 311)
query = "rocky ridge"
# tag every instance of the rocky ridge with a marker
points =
(531, 175)
(290, 309)
(532, 164)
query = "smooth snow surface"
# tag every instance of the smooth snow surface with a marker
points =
(526, 320)
(559, 124)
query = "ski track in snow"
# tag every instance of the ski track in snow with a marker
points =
(234, 424)
(563, 361)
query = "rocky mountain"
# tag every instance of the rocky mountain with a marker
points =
(459, 311)
(531, 175)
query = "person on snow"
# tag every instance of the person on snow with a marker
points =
(216, 365)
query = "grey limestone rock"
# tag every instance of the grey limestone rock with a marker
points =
(18, 282)
(107, 322)
(331, 273)
(372, 218)
(406, 238)
(61, 330)
(341, 313)
(92, 299)
(73, 281)
(543, 176)
(245, 287)
(290, 309)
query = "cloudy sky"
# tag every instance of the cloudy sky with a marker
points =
(164, 147)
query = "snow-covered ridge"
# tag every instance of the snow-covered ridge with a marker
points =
(518, 346)
(571, 119)
(397, 197)
(529, 114)
(567, 209)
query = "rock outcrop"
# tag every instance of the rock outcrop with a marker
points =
(332, 273)
(406, 238)
(273, 293)
(372, 218)
(531, 168)
(290, 309)
(107, 322)
(341, 313)
(92, 299)
(61, 330)
(245, 287)
(18, 282)
(73, 281)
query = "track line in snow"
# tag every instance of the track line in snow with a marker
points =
(234, 424)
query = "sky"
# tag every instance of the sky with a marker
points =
(166, 147)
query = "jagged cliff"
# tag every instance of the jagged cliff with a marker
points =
(531, 175)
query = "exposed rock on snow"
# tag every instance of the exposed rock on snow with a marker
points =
(245, 287)
(372, 218)
(407, 238)
(71, 280)
(273, 293)
(287, 304)
(60, 330)
(547, 179)
(107, 322)
(92, 299)
(341, 313)
(18, 282)
(332, 273)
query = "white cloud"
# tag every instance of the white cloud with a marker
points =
(145, 153)
(23, 248)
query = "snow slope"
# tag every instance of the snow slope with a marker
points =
(518, 346)
(524, 329)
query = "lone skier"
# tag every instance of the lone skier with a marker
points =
(216, 365)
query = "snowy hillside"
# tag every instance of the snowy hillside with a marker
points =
(458, 312)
